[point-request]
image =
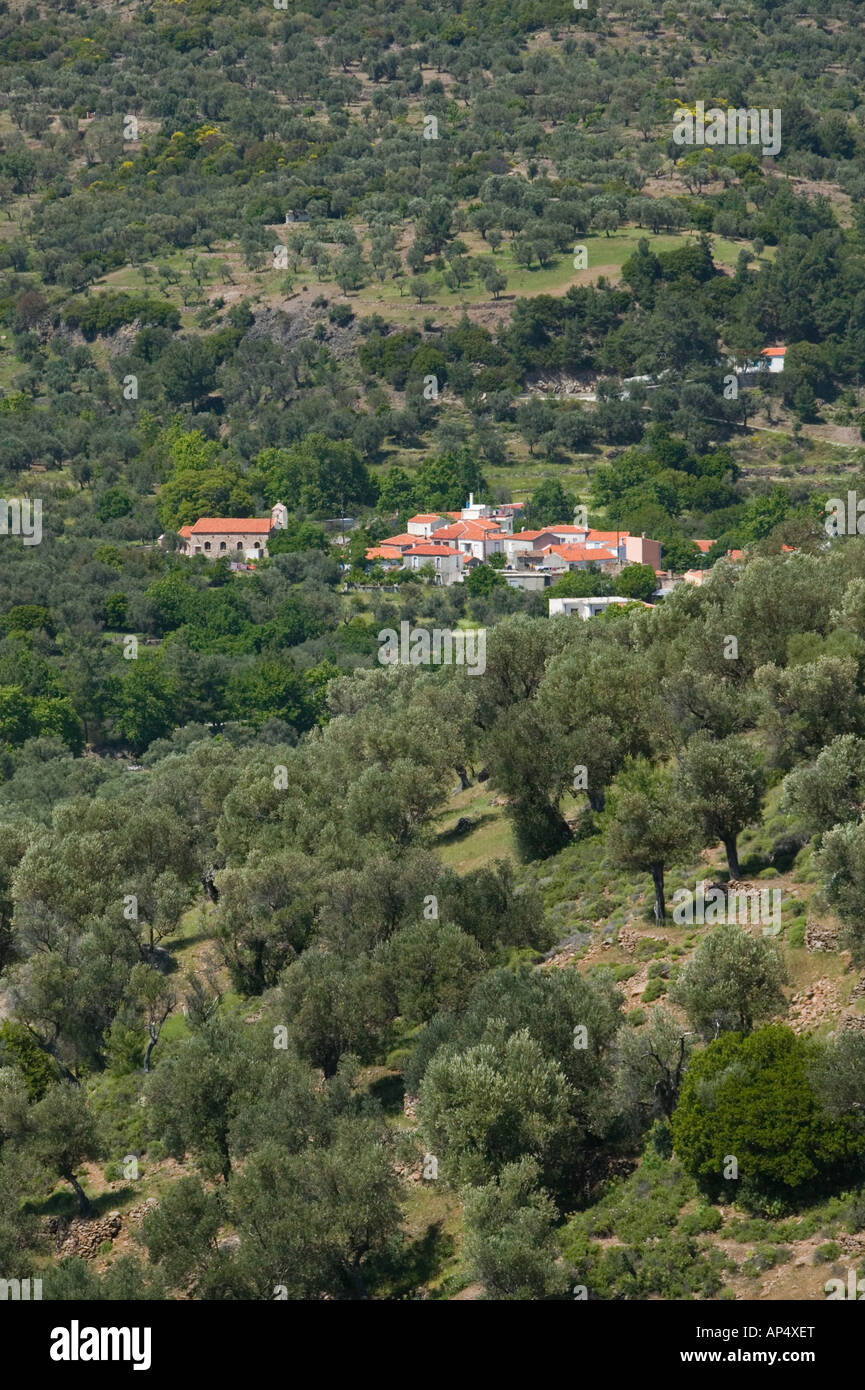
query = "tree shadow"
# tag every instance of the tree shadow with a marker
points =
(459, 832)
(63, 1203)
(389, 1092)
(418, 1262)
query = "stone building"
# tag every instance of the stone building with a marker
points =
(237, 538)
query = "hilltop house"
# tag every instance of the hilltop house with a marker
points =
(771, 359)
(238, 538)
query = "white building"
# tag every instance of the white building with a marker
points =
(425, 524)
(584, 607)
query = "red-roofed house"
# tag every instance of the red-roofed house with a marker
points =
(424, 524)
(236, 537)
(388, 556)
(775, 357)
(771, 359)
(704, 546)
(578, 557)
(400, 542)
(444, 559)
(566, 534)
(478, 538)
(521, 544)
(581, 535)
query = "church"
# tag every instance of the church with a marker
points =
(238, 538)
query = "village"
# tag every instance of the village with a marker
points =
(449, 545)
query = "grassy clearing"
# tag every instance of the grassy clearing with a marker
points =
(490, 838)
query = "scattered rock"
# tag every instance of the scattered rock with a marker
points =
(627, 940)
(820, 936)
(811, 1006)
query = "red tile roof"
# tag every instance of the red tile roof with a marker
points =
(424, 516)
(468, 531)
(577, 553)
(232, 525)
(383, 552)
(704, 546)
(430, 549)
(403, 540)
(185, 532)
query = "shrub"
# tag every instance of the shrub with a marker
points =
(705, 1218)
(19, 1049)
(856, 1214)
(750, 1098)
(796, 933)
(825, 1254)
(763, 1258)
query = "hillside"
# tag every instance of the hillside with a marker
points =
(329, 978)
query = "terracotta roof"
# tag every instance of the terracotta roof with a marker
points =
(185, 532)
(529, 535)
(232, 525)
(705, 546)
(577, 553)
(424, 516)
(403, 539)
(430, 549)
(773, 352)
(607, 535)
(383, 552)
(468, 531)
